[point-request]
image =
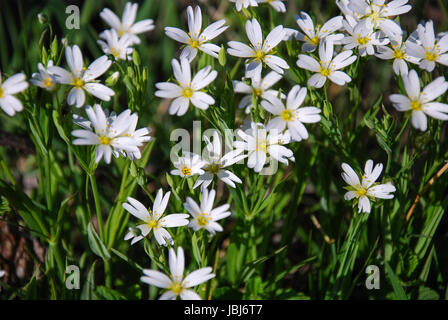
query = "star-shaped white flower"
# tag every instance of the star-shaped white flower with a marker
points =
(196, 39)
(366, 190)
(176, 285)
(108, 133)
(421, 103)
(263, 146)
(44, 78)
(291, 116)
(327, 67)
(205, 216)
(187, 90)
(429, 48)
(127, 24)
(119, 47)
(376, 13)
(215, 163)
(154, 220)
(83, 79)
(259, 87)
(188, 165)
(312, 35)
(259, 52)
(397, 52)
(11, 86)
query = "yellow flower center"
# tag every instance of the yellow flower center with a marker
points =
(416, 105)
(105, 140)
(47, 82)
(431, 56)
(258, 92)
(194, 43)
(153, 224)
(362, 40)
(262, 145)
(399, 54)
(115, 52)
(186, 171)
(288, 115)
(213, 168)
(187, 93)
(1, 92)
(203, 219)
(315, 40)
(361, 192)
(374, 16)
(325, 71)
(259, 55)
(177, 288)
(77, 82)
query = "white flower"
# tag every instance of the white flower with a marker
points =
(108, 135)
(420, 102)
(262, 145)
(398, 52)
(176, 285)
(368, 189)
(44, 78)
(259, 52)
(2, 273)
(154, 220)
(343, 5)
(188, 165)
(127, 24)
(291, 116)
(376, 13)
(82, 79)
(314, 35)
(195, 39)
(205, 216)
(259, 87)
(187, 90)
(429, 48)
(215, 163)
(278, 5)
(362, 37)
(328, 66)
(244, 4)
(11, 86)
(116, 46)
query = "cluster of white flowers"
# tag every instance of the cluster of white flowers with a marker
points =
(365, 28)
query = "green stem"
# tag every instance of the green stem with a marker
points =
(96, 198)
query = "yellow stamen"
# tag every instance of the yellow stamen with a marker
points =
(177, 288)
(115, 52)
(214, 168)
(315, 40)
(1, 92)
(362, 40)
(77, 82)
(47, 82)
(194, 43)
(361, 192)
(325, 71)
(416, 105)
(153, 224)
(187, 93)
(203, 219)
(288, 115)
(186, 171)
(258, 92)
(259, 55)
(399, 54)
(262, 145)
(431, 56)
(105, 140)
